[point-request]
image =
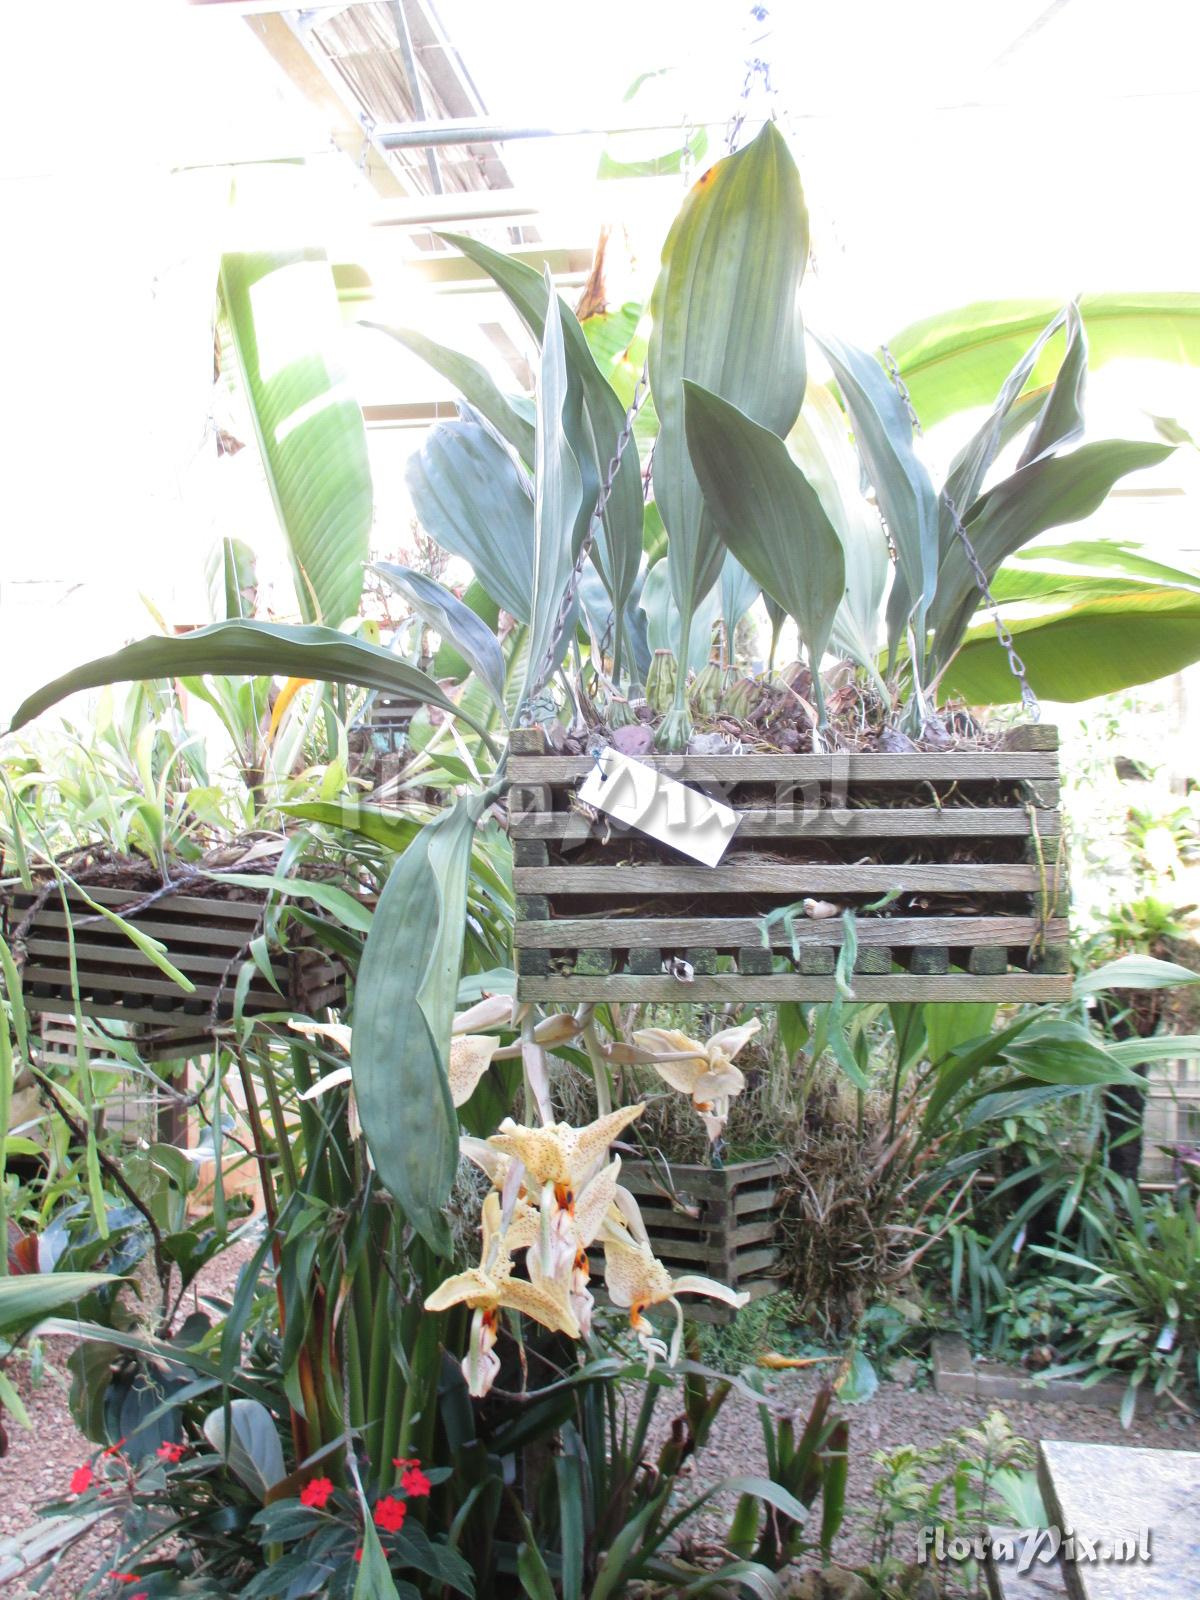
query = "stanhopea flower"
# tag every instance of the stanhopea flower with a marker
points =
(491, 1287)
(636, 1280)
(706, 1071)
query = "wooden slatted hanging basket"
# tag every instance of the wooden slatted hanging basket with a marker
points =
(207, 938)
(967, 844)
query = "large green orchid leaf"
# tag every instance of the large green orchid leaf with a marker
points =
(1060, 421)
(959, 358)
(455, 622)
(662, 619)
(738, 591)
(474, 499)
(905, 494)
(472, 381)
(1045, 494)
(594, 419)
(27, 1298)
(263, 649)
(770, 516)
(403, 1008)
(558, 489)
(282, 310)
(726, 316)
(820, 446)
(1099, 646)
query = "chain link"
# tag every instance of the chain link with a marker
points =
(1017, 667)
(756, 67)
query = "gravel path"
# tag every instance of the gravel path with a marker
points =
(39, 1463)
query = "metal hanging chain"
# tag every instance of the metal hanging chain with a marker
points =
(1016, 666)
(640, 392)
(756, 67)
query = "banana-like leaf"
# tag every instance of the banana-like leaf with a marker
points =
(1045, 494)
(1097, 647)
(1135, 972)
(26, 1299)
(456, 622)
(558, 489)
(958, 358)
(738, 593)
(662, 619)
(472, 381)
(593, 417)
(820, 446)
(1114, 555)
(254, 648)
(231, 571)
(282, 309)
(726, 315)
(404, 1003)
(903, 490)
(770, 516)
(472, 497)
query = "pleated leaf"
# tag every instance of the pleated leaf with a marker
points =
(282, 310)
(404, 1004)
(254, 648)
(726, 316)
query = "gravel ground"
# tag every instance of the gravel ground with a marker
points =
(39, 1463)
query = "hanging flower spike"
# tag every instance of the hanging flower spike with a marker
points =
(390, 1514)
(170, 1452)
(489, 1288)
(316, 1493)
(82, 1479)
(559, 1160)
(707, 1074)
(637, 1280)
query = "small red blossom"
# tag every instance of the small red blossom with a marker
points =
(358, 1554)
(406, 1461)
(414, 1482)
(114, 1449)
(124, 1577)
(390, 1514)
(170, 1451)
(316, 1493)
(140, 1595)
(82, 1479)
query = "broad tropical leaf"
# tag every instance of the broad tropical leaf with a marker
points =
(558, 489)
(1061, 419)
(1096, 647)
(959, 358)
(26, 1299)
(1045, 494)
(455, 622)
(404, 1003)
(738, 593)
(474, 499)
(472, 381)
(662, 619)
(246, 1438)
(726, 315)
(282, 309)
(254, 648)
(770, 516)
(1136, 972)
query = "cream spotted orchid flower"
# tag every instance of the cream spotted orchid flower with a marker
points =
(558, 1161)
(490, 1288)
(705, 1072)
(636, 1280)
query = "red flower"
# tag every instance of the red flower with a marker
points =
(414, 1482)
(390, 1514)
(113, 1449)
(82, 1479)
(316, 1492)
(124, 1577)
(168, 1451)
(406, 1461)
(358, 1554)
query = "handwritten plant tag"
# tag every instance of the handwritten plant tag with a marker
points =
(631, 792)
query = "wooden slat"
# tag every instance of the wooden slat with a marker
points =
(181, 933)
(873, 766)
(728, 933)
(147, 982)
(1012, 986)
(650, 878)
(89, 956)
(191, 906)
(896, 822)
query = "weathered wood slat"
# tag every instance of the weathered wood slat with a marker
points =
(652, 878)
(181, 932)
(874, 766)
(728, 933)
(91, 955)
(144, 981)
(186, 905)
(953, 986)
(952, 822)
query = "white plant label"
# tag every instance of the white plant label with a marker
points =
(631, 792)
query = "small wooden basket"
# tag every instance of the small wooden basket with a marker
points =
(964, 847)
(719, 1222)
